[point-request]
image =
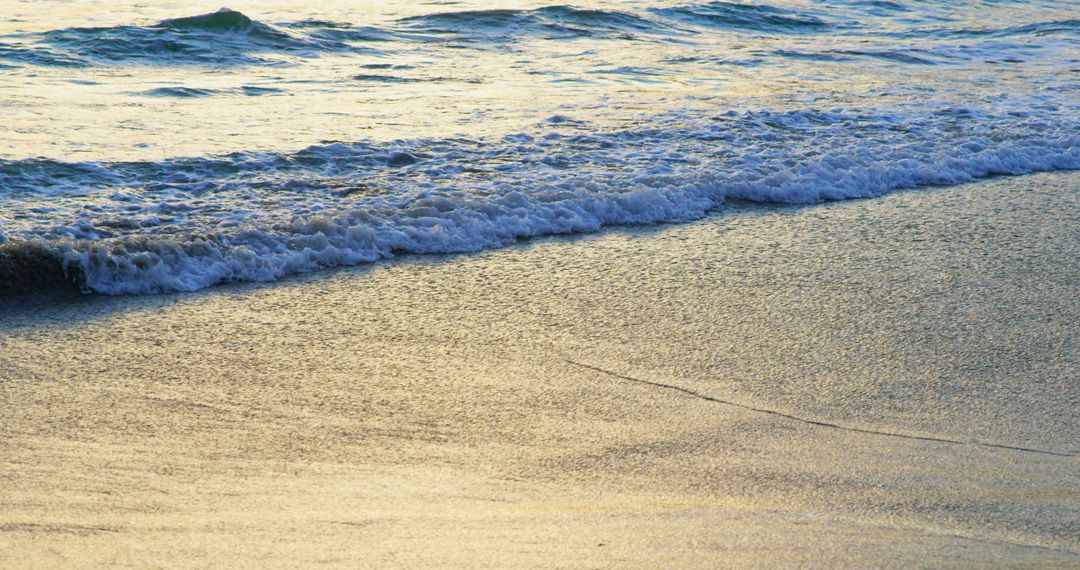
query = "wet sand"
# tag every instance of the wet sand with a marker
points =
(878, 383)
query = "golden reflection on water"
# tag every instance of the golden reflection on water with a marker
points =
(104, 112)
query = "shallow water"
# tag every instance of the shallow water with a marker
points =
(171, 147)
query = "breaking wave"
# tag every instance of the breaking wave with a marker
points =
(186, 224)
(903, 94)
(228, 37)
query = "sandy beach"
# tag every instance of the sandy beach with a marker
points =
(883, 383)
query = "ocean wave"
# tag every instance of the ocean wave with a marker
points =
(749, 17)
(228, 37)
(180, 92)
(48, 176)
(192, 174)
(35, 55)
(225, 37)
(252, 216)
(549, 21)
(872, 7)
(899, 56)
(224, 20)
(199, 92)
(1069, 27)
(34, 267)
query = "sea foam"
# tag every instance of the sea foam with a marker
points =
(260, 217)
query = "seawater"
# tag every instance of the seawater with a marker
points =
(171, 146)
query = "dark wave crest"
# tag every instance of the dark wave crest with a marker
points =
(35, 267)
(199, 92)
(549, 21)
(180, 92)
(223, 37)
(914, 57)
(751, 17)
(224, 20)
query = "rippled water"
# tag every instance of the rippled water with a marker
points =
(173, 146)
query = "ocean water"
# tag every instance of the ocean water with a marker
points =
(171, 146)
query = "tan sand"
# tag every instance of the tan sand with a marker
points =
(838, 385)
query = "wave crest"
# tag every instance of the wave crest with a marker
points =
(224, 20)
(35, 267)
(224, 37)
(549, 21)
(346, 204)
(752, 17)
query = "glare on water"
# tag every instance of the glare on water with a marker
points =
(171, 146)
(401, 78)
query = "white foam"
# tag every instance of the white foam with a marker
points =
(186, 224)
(638, 177)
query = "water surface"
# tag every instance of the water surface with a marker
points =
(177, 145)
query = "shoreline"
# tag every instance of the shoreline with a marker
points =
(467, 410)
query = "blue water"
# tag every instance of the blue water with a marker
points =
(176, 146)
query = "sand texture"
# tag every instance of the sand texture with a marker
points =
(883, 383)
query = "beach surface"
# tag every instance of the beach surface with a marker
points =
(886, 383)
